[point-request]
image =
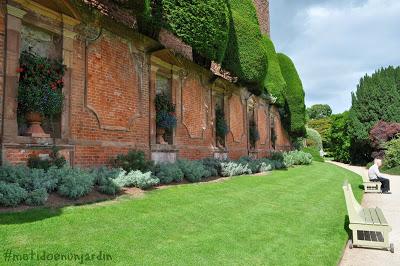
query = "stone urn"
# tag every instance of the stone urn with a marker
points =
(160, 136)
(34, 120)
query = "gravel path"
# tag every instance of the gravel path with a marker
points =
(390, 205)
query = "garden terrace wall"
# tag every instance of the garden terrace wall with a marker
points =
(110, 87)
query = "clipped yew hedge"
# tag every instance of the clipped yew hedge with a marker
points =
(294, 96)
(274, 83)
(203, 24)
(244, 55)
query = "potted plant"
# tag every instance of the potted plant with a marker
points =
(221, 128)
(39, 90)
(165, 116)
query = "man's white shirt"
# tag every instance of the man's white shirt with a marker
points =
(373, 172)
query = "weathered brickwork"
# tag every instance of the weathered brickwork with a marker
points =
(112, 90)
(236, 118)
(262, 125)
(282, 138)
(2, 39)
(20, 155)
(194, 133)
(110, 87)
(193, 99)
(262, 8)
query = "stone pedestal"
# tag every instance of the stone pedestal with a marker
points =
(221, 155)
(163, 153)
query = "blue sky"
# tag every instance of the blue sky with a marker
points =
(335, 42)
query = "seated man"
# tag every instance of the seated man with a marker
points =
(375, 176)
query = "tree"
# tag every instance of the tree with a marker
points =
(323, 126)
(319, 111)
(381, 133)
(377, 98)
(313, 139)
(340, 138)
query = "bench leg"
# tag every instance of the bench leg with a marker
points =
(372, 187)
(374, 238)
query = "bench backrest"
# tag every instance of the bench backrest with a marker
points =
(354, 209)
(365, 177)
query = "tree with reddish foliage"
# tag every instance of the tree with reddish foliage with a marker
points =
(381, 133)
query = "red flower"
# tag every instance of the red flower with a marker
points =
(53, 86)
(20, 70)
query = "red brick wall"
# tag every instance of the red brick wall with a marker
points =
(262, 8)
(119, 119)
(111, 102)
(282, 140)
(194, 133)
(112, 91)
(20, 155)
(2, 39)
(236, 140)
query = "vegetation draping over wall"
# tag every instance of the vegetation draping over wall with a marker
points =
(274, 83)
(227, 31)
(245, 56)
(203, 24)
(294, 94)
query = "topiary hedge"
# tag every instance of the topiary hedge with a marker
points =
(274, 83)
(294, 96)
(203, 24)
(244, 56)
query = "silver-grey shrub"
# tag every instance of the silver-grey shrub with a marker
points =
(193, 171)
(297, 158)
(136, 179)
(169, 172)
(75, 183)
(234, 169)
(11, 194)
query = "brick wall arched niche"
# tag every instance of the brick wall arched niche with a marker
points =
(113, 82)
(52, 34)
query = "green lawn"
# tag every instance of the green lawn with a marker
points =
(286, 218)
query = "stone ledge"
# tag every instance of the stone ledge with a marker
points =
(163, 148)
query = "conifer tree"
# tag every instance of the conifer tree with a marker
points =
(377, 98)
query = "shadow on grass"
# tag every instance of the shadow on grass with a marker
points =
(346, 226)
(30, 216)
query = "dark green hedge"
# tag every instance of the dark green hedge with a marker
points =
(294, 96)
(244, 56)
(203, 24)
(274, 83)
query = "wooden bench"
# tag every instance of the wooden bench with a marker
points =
(369, 226)
(371, 187)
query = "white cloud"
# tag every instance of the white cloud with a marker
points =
(334, 44)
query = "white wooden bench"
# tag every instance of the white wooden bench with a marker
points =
(371, 187)
(369, 226)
